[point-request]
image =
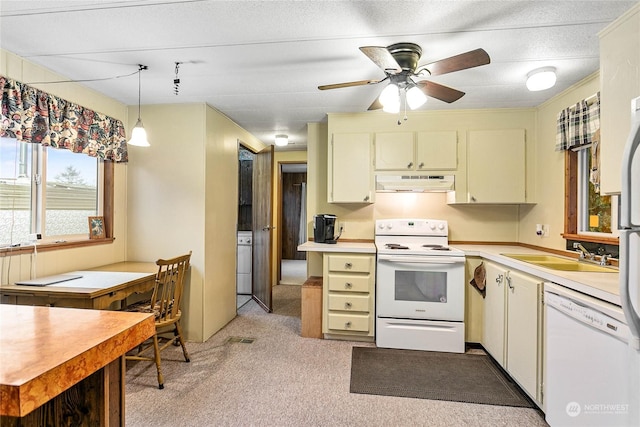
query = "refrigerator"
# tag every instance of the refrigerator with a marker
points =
(630, 253)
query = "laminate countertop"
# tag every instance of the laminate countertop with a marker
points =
(340, 246)
(604, 286)
(46, 350)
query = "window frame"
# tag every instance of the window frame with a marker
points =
(106, 171)
(571, 208)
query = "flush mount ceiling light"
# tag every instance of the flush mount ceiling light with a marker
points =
(282, 140)
(138, 134)
(541, 79)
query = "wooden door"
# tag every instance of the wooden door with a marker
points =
(262, 227)
(291, 207)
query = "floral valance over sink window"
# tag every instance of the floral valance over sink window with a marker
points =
(32, 115)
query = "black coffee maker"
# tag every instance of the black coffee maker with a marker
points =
(324, 226)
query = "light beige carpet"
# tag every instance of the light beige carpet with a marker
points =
(282, 379)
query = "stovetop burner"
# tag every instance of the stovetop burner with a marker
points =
(395, 246)
(437, 247)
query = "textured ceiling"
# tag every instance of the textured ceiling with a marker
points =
(260, 62)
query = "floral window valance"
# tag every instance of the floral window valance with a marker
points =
(577, 125)
(31, 115)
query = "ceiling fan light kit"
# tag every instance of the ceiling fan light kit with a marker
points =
(281, 140)
(541, 79)
(400, 63)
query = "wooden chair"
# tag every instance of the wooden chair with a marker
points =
(165, 304)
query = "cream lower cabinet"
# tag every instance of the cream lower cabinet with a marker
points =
(512, 330)
(348, 294)
(350, 169)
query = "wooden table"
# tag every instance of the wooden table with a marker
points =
(98, 288)
(61, 366)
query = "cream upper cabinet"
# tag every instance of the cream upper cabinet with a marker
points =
(619, 84)
(409, 151)
(394, 151)
(437, 150)
(350, 169)
(496, 166)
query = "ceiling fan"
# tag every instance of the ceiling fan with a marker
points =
(400, 64)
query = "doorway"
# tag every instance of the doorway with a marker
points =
(293, 223)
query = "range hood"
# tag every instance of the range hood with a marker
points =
(414, 183)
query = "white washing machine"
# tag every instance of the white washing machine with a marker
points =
(243, 279)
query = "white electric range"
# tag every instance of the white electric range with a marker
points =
(419, 286)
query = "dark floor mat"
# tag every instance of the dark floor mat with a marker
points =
(470, 378)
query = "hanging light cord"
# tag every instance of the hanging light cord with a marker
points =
(176, 81)
(140, 68)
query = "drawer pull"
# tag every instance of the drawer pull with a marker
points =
(348, 285)
(347, 324)
(348, 265)
(347, 305)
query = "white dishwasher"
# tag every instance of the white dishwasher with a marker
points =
(591, 375)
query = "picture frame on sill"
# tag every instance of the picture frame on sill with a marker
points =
(96, 227)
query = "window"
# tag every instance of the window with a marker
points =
(48, 191)
(589, 216)
(595, 211)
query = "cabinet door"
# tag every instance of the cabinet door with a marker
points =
(619, 65)
(496, 166)
(350, 169)
(437, 150)
(494, 312)
(522, 329)
(394, 151)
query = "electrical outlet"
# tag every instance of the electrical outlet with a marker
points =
(343, 227)
(545, 230)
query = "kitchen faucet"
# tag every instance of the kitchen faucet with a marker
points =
(584, 253)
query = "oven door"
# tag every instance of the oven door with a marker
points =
(420, 287)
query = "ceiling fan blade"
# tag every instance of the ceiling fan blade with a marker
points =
(473, 58)
(375, 105)
(441, 92)
(382, 58)
(348, 84)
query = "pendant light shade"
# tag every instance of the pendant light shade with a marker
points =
(138, 134)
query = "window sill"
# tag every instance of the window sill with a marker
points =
(592, 239)
(46, 247)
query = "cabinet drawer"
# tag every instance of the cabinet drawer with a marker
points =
(350, 263)
(349, 302)
(348, 322)
(348, 283)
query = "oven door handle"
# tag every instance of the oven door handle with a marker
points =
(421, 259)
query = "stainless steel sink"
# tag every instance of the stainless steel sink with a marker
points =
(559, 263)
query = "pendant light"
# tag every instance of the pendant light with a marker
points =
(138, 134)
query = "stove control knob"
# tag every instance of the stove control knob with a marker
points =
(381, 226)
(441, 226)
(389, 226)
(432, 226)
